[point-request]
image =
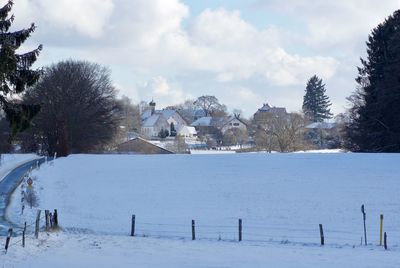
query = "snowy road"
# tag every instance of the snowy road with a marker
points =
(8, 185)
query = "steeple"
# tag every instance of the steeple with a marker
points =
(152, 105)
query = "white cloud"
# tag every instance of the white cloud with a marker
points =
(341, 23)
(162, 92)
(159, 42)
(236, 50)
(88, 17)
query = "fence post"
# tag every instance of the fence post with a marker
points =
(51, 219)
(380, 231)
(193, 230)
(321, 233)
(240, 230)
(46, 213)
(385, 241)
(37, 224)
(23, 235)
(55, 218)
(133, 225)
(365, 228)
(8, 238)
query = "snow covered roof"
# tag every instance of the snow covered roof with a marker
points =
(146, 114)
(213, 121)
(321, 125)
(187, 130)
(151, 121)
(265, 107)
(167, 113)
(202, 122)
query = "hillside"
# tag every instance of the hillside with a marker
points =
(281, 199)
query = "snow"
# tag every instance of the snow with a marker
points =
(280, 197)
(10, 161)
(82, 251)
(212, 152)
(203, 121)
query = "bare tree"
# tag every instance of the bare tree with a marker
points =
(234, 136)
(282, 133)
(210, 105)
(78, 108)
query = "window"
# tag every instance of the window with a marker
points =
(236, 124)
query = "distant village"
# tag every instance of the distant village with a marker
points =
(185, 130)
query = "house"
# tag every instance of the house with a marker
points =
(233, 122)
(191, 115)
(266, 111)
(140, 146)
(153, 121)
(211, 125)
(188, 132)
(153, 125)
(324, 135)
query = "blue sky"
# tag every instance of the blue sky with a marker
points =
(245, 53)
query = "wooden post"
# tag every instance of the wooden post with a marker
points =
(55, 218)
(8, 238)
(240, 230)
(51, 219)
(46, 212)
(321, 233)
(133, 225)
(37, 224)
(385, 241)
(23, 235)
(365, 228)
(380, 231)
(193, 231)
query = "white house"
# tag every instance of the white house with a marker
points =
(233, 123)
(208, 124)
(188, 132)
(152, 126)
(153, 121)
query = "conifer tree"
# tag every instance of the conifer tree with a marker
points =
(316, 103)
(15, 71)
(374, 116)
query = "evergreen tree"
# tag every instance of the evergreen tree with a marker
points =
(316, 103)
(374, 116)
(15, 71)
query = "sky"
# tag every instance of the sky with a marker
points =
(245, 53)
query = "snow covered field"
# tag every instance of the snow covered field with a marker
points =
(280, 197)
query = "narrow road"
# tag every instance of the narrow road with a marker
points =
(7, 187)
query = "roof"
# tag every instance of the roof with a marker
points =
(202, 122)
(152, 120)
(167, 113)
(229, 119)
(187, 129)
(321, 125)
(146, 114)
(269, 109)
(148, 143)
(265, 107)
(214, 121)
